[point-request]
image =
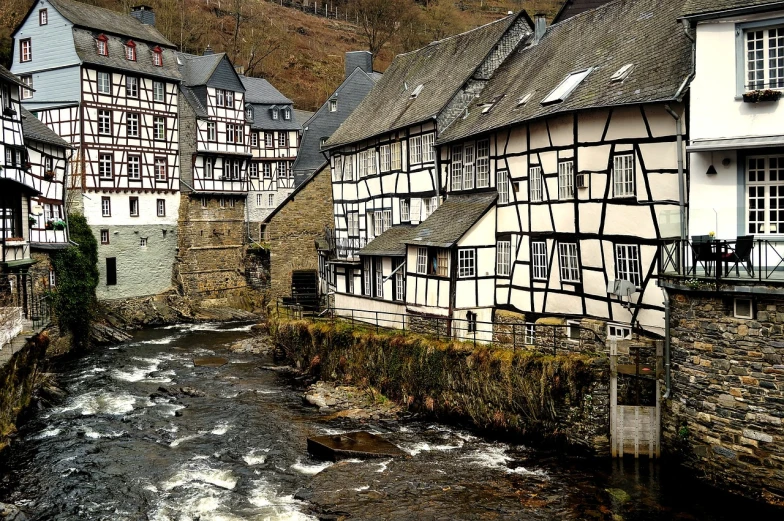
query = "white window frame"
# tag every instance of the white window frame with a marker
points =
(253, 170)
(469, 157)
(503, 258)
(27, 91)
(428, 147)
(105, 166)
(536, 192)
(568, 262)
(283, 140)
(627, 263)
(132, 86)
(209, 169)
(254, 139)
(266, 170)
(766, 64)
(269, 140)
(385, 155)
(502, 186)
(104, 236)
(212, 131)
(161, 166)
(529, 334)
(106, 208)
(134, 167)
(158, 91)
(405, 210)
(259, 200)
(26, 50)
(573, 331)
(396, 159)
(483, 163)
(565, 88)
(333, 105)
(43, 17)
(457, 168)
(539, 260)
(133, 206)
(157, 57)
(761, 191)
(143, 242)
(624, 184)
(160, 205)
(271, 200)
(132, 124)
(737, 314)
(565, 180)
(619, 332)
(159, 127)
(367, 268)
(421, 267)
(104, 122)
(102, 47)
(466, 263)
(415, 150)
(352, 224)
(400, 282)
(378, 274)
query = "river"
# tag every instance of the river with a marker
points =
(118, 449)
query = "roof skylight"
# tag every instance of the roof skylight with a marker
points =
(622, 73)
(417, 90)
(524, 99)
(565, 88)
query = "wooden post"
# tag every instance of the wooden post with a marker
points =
(614, 427)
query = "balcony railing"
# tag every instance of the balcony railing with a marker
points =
(14, 250)
(742, 259)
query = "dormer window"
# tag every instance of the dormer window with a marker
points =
(157, 57)
(43, 17)
(130, 51)
(286, 114)
(333, 105)
(103, 46)
(274, 113)
(248, 112)
(565, 88)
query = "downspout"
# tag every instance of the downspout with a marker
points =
(667, 382)
(679, 148)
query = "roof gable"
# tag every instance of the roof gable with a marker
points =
(574, 7)
(259, 90)
(450, 221)
(34, 130)
(212, 70)
(698, 8)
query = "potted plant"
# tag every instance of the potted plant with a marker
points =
(32, 220)
(761, 95)
(49, 175)
(14, 239)
(49, 225)
(59, 224)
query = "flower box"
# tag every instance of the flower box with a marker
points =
(759, 96)
(32, 220)
(14, 239)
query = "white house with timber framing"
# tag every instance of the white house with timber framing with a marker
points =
(383, 160)
(107, 83)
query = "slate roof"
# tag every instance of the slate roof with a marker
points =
(34, 130)
(108, 21)
(197, 70)
(259, 90)
(442, 67)
(645, 33)
(303, 116)
(701, 7)
(452, 220)
(86, 49)
(574, 7)
(390, 243)
(193, 100)
(10, 76)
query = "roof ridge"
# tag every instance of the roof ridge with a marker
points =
(586, 12)
(458, 35)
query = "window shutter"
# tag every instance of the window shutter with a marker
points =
(416, 210)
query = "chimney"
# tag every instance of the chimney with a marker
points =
(144, 14)
(208, 51)
(361, 59)
(540, 26)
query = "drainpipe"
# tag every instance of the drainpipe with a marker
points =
(667, 382)
(679, 147)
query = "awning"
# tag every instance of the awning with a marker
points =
(712, 145)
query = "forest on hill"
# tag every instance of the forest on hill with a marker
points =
(298, 45)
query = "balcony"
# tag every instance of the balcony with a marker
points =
(14, 250)
(344, 248)
(745, 260)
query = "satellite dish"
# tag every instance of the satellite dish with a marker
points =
(37, 210)
(621, 288)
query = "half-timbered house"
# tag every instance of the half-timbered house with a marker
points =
(215, 146)
(274, 142)
(383, 159)
(107, 83)
(580, 139)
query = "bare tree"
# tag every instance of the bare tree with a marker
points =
(380, 20)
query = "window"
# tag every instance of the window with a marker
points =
(623, 175)
(143, 242)
(287, 114)
(350, 281)
(567, 254)
(104, 236)
(270, 200)
(158, 127)
(266, 169)
(104, 83)
(765, 59)
(535, 184)
(382, 220)
(130, 51)
(397, 160)
(405, 210)
(619, 332)
(235, 168)
(765, 194)
(106, 207)
(105, 166)
(502, 185)
(565, 180)
(573, 331)
(157, 57)
(503, 257)
(211, 133)
(134, 168)
(132, 125)
(43, 17)
(133, 203)
(132, 86)
(743, 308)
(259, 200)
(470, 322)
(283, 169)
(466, 263)
(378, 273)
(421, 267)
(248, 112)
(333, 105)
(253, 170)
(25, 50)
(101, 45)
(209, 168)
(348, 168)
(371, 161)
(627, 263)
(468, 167)
(283, 139)
(160, 169)
(385, 157)
(352, 222)
(27, 91)
(415, 149)
(254, 139)
(230, 133)
(274, 113)
(161, 206)
(539, 260)
(48, 164)
(430, 205)
(268, 140)
(428, 149)
(104, 122)
(483, 164)
(366, 269)
(457, 167)
(111, 271)
(529, 335)
(220, 97)
(239, 134)
(158, 91)
(400, 280)
(562, 91)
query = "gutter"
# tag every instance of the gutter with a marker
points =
(667, 381)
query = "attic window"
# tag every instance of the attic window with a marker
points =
(523, 100)
(333, 105)
(274, 113)
(486, 107)
(417, 90)
(565, 88)
(249, 112)
(622, 73)
(102, 45)
(157, 57)
(130, 51)
(286, 114)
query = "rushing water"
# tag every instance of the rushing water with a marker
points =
(118, 449)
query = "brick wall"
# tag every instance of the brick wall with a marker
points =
(727, 408)
(292, 232)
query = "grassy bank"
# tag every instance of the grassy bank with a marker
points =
(557, 398)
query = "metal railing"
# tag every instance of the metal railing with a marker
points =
(514, 335)
(40, 313)
(747, 259)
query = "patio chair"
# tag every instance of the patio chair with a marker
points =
(702, 251)
(740, 254)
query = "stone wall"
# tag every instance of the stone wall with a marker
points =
(726, 414)
(210, 262)
(188, 138)
(293, 230)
